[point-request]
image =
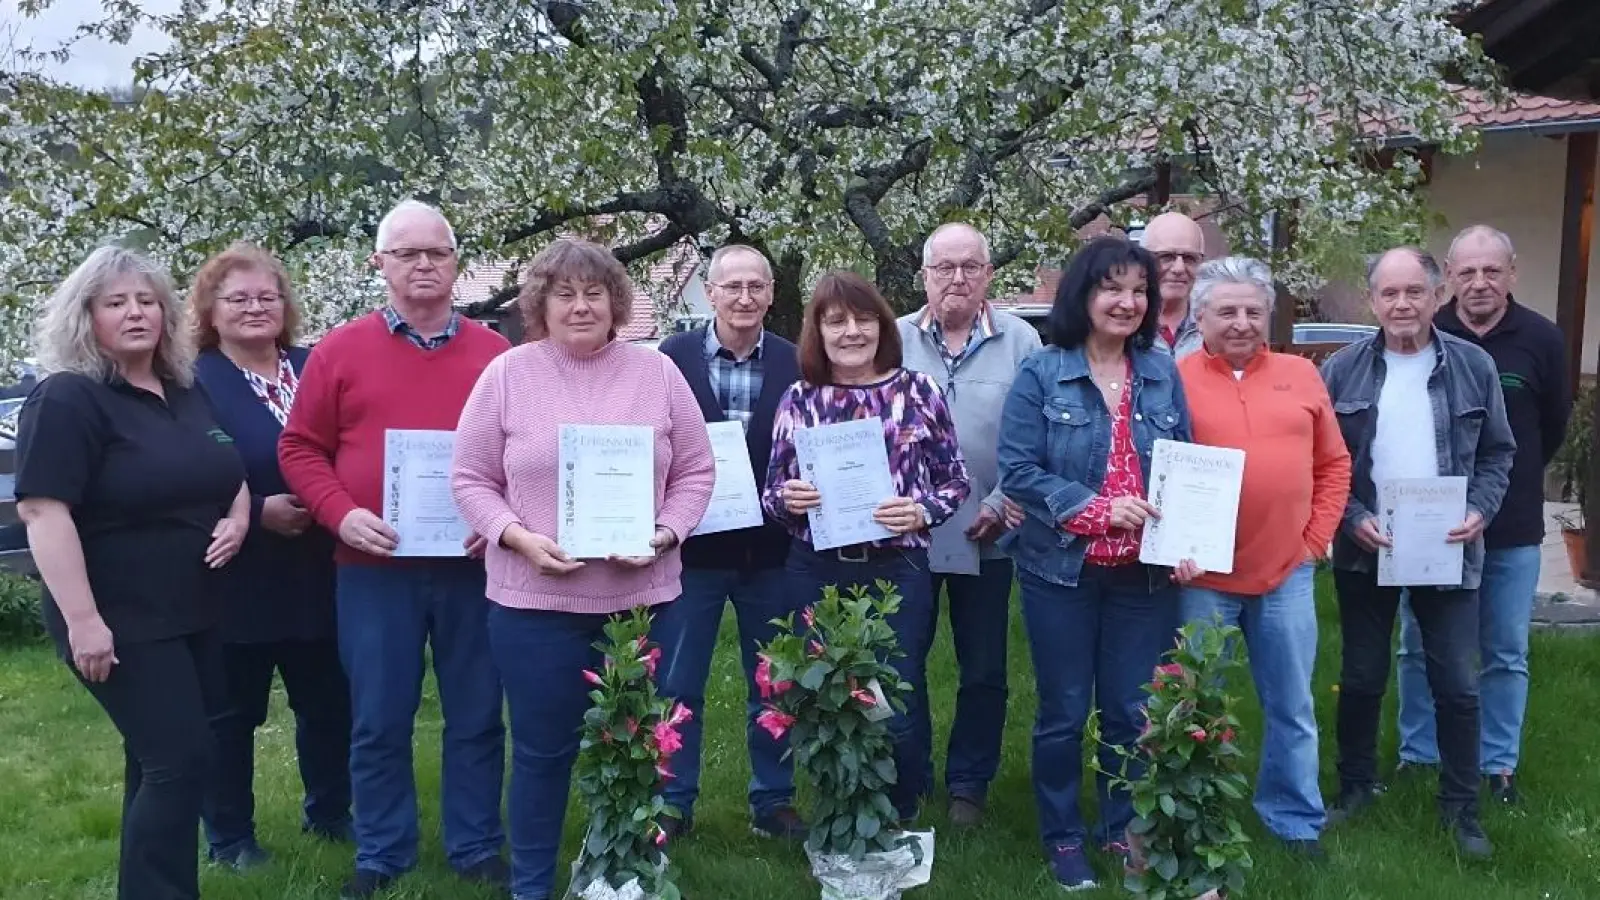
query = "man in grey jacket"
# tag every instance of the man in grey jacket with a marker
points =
(972, 350)
(1386, 392)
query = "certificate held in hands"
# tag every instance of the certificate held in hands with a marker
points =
(417, 501)
(1416, 515)
(1196, 489)
(608, 491)
(848, 464)
(735, 502)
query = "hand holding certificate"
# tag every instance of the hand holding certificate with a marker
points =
(608, 491)
(1417, 516)
(848, 464)
(1195, 490)
(417, 502)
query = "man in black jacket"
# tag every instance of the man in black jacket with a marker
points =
(738, 371)
(1531, 356)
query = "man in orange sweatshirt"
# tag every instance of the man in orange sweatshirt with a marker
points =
(1275, 408)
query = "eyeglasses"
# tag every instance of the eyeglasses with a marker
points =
(1168, 257)
(243, 301)
(740, 288)
(410, 255)
(947, 271)
(840, 323)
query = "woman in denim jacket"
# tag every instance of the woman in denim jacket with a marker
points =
(1074, 452)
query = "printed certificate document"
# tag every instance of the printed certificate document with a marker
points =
(608, 490)
(1416, 514)
(848, 463)
(1196, 488)
(417, 502)
(735, 502)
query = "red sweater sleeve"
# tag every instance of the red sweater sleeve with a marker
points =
(1330, 473)
(310, 439)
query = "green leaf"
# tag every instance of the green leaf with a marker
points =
(1168, 806)
(814, 675)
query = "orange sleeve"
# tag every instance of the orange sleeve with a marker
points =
(1330, 467)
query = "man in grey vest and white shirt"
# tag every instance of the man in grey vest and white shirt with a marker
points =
(972, 350)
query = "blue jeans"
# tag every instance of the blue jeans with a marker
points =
(541, 655)
(809, 571)
(388, 615)
(980, 615)
(1280, 633)
(686, 629)
(1097, 643)
(1505, 613)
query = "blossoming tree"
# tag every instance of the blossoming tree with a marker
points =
(827, 132)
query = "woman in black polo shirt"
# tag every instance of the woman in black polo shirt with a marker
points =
(133, 497)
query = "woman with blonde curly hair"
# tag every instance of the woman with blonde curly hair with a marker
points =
(280, 612)
(133, 498)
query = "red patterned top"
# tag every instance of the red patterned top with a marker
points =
(1113, 546)
(277, 395)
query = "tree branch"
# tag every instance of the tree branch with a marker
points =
(626, 253)
(1110, 197)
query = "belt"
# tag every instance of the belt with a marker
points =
(859, 553)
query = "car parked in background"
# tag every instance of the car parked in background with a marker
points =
(1332, 332)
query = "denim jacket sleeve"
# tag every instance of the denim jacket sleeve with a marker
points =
(1334, 371)
(1023, 453)
(1497, 447)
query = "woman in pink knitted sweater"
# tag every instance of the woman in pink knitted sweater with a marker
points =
(549, 608)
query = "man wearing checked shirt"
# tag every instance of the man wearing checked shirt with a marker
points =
(738, 372)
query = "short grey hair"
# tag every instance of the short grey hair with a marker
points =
(64, 340)
(1233, 270)
(927, 245)
(1430, 266)
(723, 253)
(406, 207)
(1493, 234)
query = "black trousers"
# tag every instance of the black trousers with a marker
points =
(1448, 620)
(160, 696)
(320, 699)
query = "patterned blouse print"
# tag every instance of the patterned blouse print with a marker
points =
(924, 460)
(277, 395)
(1113, 546)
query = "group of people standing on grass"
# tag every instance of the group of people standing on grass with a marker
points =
(201, 523)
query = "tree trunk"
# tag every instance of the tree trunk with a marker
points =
(788, 295)
(897, 279)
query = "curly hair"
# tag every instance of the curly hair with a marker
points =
(208, 281)
(64, 339)
(573, 260)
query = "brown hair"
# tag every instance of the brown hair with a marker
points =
(203, 293)
(859, 299)
(573, 260)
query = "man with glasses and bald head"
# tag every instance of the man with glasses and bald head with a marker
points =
(1179, 247)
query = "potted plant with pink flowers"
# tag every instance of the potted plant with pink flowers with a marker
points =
(624, 759)
(827, 684)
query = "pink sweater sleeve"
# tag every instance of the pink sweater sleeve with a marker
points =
(693, 471)
(478, 477)
(308, 442)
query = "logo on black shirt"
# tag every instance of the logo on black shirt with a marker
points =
(1512, 381)
(220, 436)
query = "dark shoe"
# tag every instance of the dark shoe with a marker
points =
(1353, 800)
(1071, 869)
(1470, 839)
(1121, 852)
(333, 833)
(492, 872)
(1310, 851)
(674, 827)
(244, 857)
(1503, 788)
(365, 883)
(1412, 768)
(966, 812)
(783, 823)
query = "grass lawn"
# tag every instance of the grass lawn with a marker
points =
(61, 770)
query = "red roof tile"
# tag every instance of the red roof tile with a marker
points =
(1521, 109)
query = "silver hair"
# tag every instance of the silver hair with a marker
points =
(404, 207)
(1233, 270)
(1430, 266)
(927, 245)
(64, 339)
(722, 253)
(1492, 233)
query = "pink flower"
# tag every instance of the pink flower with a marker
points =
(668, 741)
(650, 659)
(864, 697)
(663, 771)
(678, 715)
(815, 647)
(1173, 669)
(775, 721)
(661, 836)
(809, 616)
(605, 736)
(632, 726)
(1226, 737)
(764, 678)
(1198, 734)
(593, 677)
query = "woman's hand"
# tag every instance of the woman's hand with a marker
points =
(663, 541)
(546, 555)
(900, 515)
(799, 497)
(226, 539)
(1186, 571)
(93, 650)
(1130, 513)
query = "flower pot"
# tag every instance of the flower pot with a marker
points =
(877, 876)
(1577, 543)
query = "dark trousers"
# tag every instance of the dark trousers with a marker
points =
(812, 570)
(320, 699)
(160, 697)
(980, 616)
(1448, 620)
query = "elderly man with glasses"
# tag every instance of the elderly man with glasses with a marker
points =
(1179, 246)
(738, 372)
(972, 351)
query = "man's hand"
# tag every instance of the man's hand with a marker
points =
(1130, 513)
(1186, 572)
(366, 532)
(1013, 514)
(283, 514)
(1467, 531)
(1368, 536)
(986, 527)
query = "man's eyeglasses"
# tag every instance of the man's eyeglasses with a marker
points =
(947, 271)
(1167, 257)
(410, 255)
(739, 288)
(243, 301)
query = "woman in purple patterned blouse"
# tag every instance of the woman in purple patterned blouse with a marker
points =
(851, 369)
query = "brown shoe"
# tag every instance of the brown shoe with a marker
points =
(966, 812)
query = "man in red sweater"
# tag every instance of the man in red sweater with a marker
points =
(1275, 408)
(408, 365)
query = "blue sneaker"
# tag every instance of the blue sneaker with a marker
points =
(1071, 869)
